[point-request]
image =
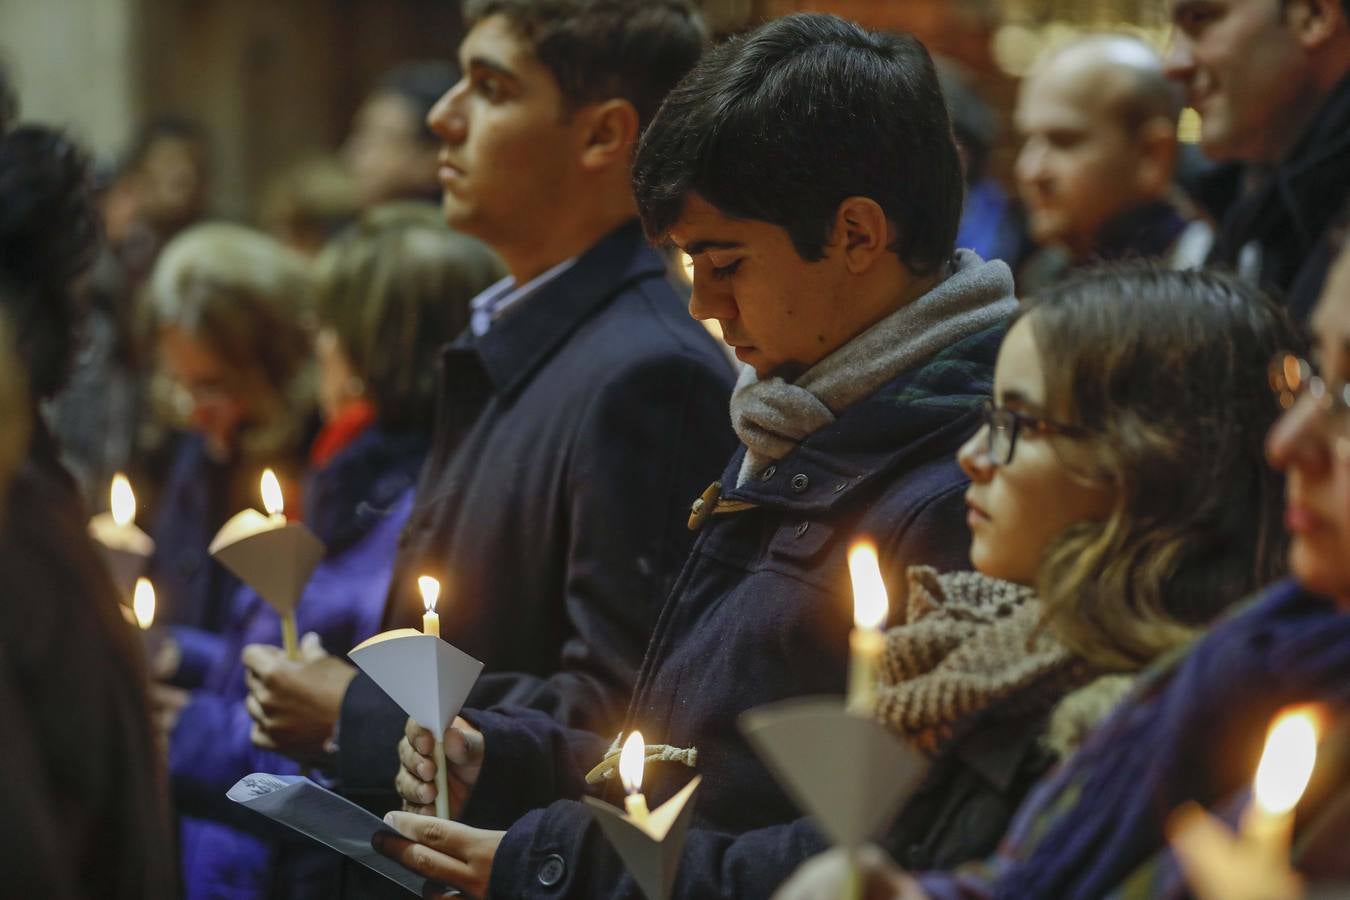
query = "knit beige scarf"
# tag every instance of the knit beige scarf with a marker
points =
(965, 642)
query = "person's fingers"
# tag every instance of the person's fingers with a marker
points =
(260, 658)
(436, 861)
(256, 712)
(419, 809)
(412, 790)
(416, 763)
(311, 647)
(463, 745)
(423, 741)
(261, 738)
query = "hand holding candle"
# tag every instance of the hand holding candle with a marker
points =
(866, 641)
(1254, 863)
(273, 556)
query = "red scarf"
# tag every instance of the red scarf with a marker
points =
(355, 417)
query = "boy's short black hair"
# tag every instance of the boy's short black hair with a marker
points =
(601, 49)
(785, 123)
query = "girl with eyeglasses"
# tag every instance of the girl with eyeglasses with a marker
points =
(1119, 502)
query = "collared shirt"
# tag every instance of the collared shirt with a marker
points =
(488, 306)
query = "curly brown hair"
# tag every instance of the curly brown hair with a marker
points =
(1166, 372)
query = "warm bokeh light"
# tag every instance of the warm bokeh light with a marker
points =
(869, 591)
(631, 760)
(431, 591)
(271, 493)
(122, 500)
(143, 603)
(1287, 762)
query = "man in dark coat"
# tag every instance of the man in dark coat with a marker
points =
(1271, 81)
(869, 346)
(577, 418)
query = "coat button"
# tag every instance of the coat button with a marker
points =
(552, 871)
(800, 483)
(801, 529)
(768, 473)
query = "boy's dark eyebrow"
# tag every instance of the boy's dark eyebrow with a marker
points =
(697, 247)
(482, 62)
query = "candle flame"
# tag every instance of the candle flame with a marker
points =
(431, 591)
(1287, 762)
(122, 501)
(143, 603)
(271, 493)
(631, 760)
(869, 591)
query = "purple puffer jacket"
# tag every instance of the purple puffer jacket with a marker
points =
(358, 505)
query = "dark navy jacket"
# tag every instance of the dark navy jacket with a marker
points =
(1291, 214)
(761, 613)
(357, 505)
(570, 440)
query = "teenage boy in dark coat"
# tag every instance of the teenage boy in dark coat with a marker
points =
(1271, 81)
(578, 417)
(826, 253)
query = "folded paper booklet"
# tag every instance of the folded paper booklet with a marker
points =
(317, 813)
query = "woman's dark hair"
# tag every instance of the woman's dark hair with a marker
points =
(394, 288)
(1167, 373)
(603, 49)
(48, 234)
(785, 123)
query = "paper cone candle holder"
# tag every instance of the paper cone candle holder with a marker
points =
(848, 772)
(428, 678)
(125, 547)
(271, 555)
(649, 843)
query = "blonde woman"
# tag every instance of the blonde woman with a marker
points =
(229, 310)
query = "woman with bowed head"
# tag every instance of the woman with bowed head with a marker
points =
(390, 291)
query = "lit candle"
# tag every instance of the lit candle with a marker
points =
(271, 497)
(125, 546)
(275, 505)
(1283, 773)
(866, 641)
(431, 591)
(143, 603)
(631, 761)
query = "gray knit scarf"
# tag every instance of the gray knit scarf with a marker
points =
(773, 416)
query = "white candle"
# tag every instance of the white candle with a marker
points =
(143, 604)
(275, 505)
(1281, 777)
(866, 641)
(632, 759)
(430, 589)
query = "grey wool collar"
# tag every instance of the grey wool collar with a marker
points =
(773, 416)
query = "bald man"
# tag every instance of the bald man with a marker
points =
(1098, 118)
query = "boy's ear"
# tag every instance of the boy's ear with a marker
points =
(609, 132)
(861, 232)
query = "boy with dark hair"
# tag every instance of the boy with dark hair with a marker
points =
(809, 171)
(577, 416)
